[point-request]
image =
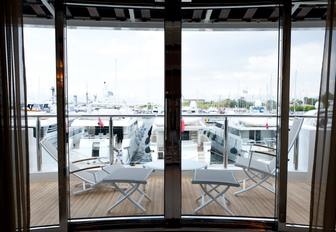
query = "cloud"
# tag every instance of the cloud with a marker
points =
(214, 64)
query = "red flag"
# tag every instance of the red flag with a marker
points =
(182, 125)
(100, 123)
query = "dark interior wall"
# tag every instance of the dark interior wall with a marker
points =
(14, 188)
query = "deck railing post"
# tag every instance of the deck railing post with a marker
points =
(38, 145)
(111, 145)
(296, 154)
(225, 145)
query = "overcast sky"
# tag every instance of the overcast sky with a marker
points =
(215, 64)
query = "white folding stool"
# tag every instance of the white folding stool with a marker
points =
(134, 177)
(214, 179)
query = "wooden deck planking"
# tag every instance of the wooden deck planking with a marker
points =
(298, 202)
(255, 203)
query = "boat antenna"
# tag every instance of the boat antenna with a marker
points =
(52, 95)
(87, 95)
(115, 80)
(295, 77)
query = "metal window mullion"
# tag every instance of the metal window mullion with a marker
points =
(172, 135)
(284, 111)
(61, 90)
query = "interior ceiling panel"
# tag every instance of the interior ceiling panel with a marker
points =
(151, 11)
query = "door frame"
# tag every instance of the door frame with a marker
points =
(172, 175)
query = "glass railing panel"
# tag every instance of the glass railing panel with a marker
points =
(200, 147)
(43, 170)
(246, 135)
(217, 143)
(39, 127)
(131, 143)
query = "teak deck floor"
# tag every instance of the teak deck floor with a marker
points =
(255, 203)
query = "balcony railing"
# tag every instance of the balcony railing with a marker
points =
(225, 118)
(257, 203)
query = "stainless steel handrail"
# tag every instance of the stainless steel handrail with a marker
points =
(162, 115)
(111, 116)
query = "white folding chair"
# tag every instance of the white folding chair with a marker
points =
(94, 175)
(259, 171)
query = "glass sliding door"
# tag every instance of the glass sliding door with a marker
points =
(39, 45)
(229, 102)
(196, 93)
(115, 104)
(306, 65)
